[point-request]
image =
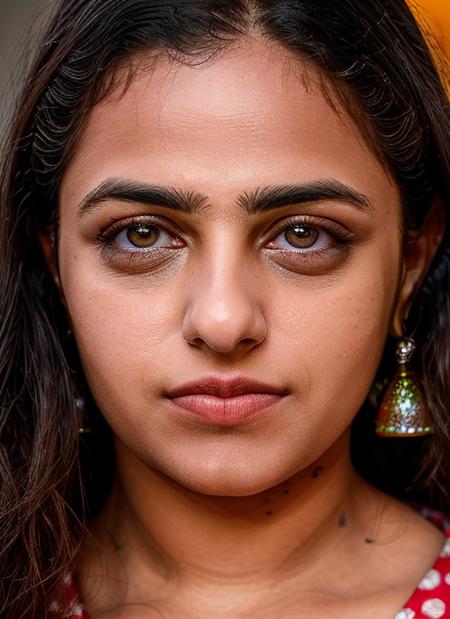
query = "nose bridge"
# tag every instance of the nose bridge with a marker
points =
(224, 307)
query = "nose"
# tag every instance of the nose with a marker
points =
(224, 313)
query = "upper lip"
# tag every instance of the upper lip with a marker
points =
(224, 388)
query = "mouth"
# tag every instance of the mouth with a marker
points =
(225, 402)
(226, 411)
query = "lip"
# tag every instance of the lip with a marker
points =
(224, 388)
(225, 401)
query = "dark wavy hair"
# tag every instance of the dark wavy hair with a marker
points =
(371, 54)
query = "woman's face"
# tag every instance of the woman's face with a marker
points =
(299, 295)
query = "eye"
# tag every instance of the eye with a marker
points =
(310, 244)
(303, 236)
(142, 236)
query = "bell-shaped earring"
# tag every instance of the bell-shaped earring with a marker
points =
(403, 410)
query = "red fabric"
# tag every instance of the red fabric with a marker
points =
(431, 599)
(68, 605)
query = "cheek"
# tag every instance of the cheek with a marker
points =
(121, 329)
(342, 333)
(335, 334)
(121, 334)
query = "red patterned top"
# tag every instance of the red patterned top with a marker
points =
(68, 606)
(431, 599)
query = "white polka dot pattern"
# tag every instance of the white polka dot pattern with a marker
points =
(431, 581)
(446, 550)
(69, 606)
(431, 599)
(433, 608)
(406, 613)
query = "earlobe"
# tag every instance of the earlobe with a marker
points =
(419, 251)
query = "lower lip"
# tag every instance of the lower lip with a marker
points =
(226, 411)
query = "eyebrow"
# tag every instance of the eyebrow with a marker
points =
(252, 202)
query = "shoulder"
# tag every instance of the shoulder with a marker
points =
(404, 546)
(414, 537)
(431, 598)
(423, 561)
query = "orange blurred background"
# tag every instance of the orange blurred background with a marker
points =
(436, 14)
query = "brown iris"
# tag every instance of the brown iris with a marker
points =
(301, 236)
(142, 236)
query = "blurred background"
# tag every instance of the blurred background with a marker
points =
(20, 21)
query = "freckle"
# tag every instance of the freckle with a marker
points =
(342, 521)
(368, 540)
(286, 492)
(318, 470)
(269, 513)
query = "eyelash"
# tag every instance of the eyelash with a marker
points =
(342, 238)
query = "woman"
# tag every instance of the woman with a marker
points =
(219, 220)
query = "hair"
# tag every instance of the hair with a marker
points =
(374, 57)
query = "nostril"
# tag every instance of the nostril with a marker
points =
(197, 342)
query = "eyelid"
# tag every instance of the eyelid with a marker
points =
(329, 225)
(110, 232)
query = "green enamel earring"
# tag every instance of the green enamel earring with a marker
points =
(403, 410)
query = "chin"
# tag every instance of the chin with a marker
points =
(219, 468)
(227, 481)
(226, 488)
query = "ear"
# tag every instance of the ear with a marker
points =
(47, 241)
(418, 253)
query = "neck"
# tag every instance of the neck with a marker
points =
(166, 533)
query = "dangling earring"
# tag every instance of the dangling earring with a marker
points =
(403, 410)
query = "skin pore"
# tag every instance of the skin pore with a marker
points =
(265, 517)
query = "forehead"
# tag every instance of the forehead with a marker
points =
(252, 114)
